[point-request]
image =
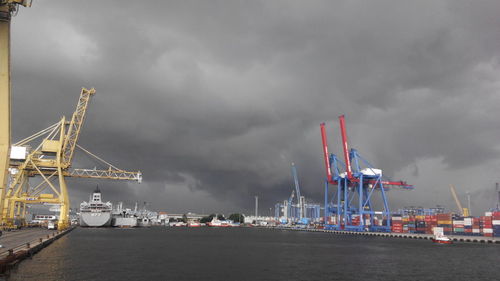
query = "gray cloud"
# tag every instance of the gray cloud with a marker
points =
(216, 98)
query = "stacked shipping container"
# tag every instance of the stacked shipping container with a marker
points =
(487, 225)
(420, 224)
(468, 226)
(430, 223)
(397, 224)
(445, 221)
(496, 224)
(458, 226)
(476, 226)
(486, 222)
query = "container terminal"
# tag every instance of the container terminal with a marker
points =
(35, 169)
(357, 183)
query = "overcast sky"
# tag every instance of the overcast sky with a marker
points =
(212, 100)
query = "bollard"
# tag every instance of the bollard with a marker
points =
(28, 245)
(11, 252)
(41, 239)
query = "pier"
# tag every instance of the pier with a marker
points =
(455, 238)
(19, 244)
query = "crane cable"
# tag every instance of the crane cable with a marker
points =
(98, 158)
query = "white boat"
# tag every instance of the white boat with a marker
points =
(439, 236)
(442, 240)
(177, 223)
(221, 223)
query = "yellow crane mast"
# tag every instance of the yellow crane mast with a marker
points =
(464, 211)
(51, 160)
(7, 8)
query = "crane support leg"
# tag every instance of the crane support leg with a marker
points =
(64, 199)
(325, 220)
(4, 100)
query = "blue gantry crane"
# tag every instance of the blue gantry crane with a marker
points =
(299, 212)
(352, 207)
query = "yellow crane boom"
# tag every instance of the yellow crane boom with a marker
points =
(105, 174)
(464, 211)
(75, 126)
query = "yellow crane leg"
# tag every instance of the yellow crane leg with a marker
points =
(63, 222)
(11, 214)
(23, 214)
(18, 209)
(4, 101)
(5, 210)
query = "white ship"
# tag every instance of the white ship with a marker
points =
(123, 218)
(145, 217)
(95, 213)
(144, 222)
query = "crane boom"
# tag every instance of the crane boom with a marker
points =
(295, 180)
(290, 199)
(105, 174)
(345, 147)
(325, 152)
(75, 125)
(463, 211)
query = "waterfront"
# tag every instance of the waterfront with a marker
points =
(252, 254)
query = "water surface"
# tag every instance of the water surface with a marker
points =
(178, 254)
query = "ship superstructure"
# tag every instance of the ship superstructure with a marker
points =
(95, 213)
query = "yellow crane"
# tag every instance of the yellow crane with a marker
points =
(7, 8)
(51, 160)
(464, 211)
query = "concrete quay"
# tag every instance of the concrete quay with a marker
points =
(23, 243)
(455, 238)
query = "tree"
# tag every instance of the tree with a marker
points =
(221, 217)
(184, 218)
(236, 217)
(207, 219)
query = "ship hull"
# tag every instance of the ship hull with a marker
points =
(124, 222)
(437, 241)
(94, 219)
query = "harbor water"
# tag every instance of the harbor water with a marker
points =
(162, 253)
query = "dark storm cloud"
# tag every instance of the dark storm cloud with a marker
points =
(215, 99)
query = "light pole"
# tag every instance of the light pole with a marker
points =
(256, 206)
